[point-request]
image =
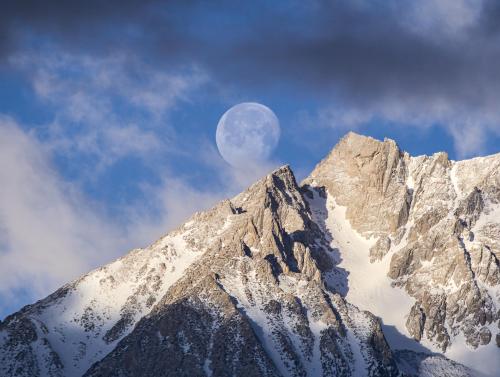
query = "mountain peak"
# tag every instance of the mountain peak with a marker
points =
(362, 173)
(364, 146)
(424, 216)
(355, 142)
(283, 177)
(288, 280)
(282, 170)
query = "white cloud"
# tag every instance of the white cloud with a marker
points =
(106, 108)
(109, 108)
(468, 127)
(470, 138)
(50, 234)
(449, 18)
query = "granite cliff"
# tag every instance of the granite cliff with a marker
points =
(377, 264)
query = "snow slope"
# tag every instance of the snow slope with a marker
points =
(84, 320)
(367, 285)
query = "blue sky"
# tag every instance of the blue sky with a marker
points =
(108, 111)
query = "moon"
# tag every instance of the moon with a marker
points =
(247, 134)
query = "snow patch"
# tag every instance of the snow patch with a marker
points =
(78, 321)
(368, 286)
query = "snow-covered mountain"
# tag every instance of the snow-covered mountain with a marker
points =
(378, 264)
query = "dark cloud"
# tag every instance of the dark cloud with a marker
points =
(72, 21)
(360, 48)
(359, 53)
(366, 53)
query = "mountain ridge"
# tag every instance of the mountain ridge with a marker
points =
(270, 265)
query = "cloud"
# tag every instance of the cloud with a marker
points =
(361, 54)
(448, 18)
(468, 126)
(73, 20)
(105, 108)
(355, 45)
(49, 233)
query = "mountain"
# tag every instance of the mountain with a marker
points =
(378, 264)
(426, 231)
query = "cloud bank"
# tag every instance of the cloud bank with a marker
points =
(415, 63)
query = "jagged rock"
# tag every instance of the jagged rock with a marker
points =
(270, 318)
(416, 322)
(380, 249)
(372, 172)
(414, 364)
(443, 217)
(470, 208)
(256, 287)
(484, 336)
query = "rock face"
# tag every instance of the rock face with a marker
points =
(414, 364)
(255, 305)
(255, 286)
(436, 220)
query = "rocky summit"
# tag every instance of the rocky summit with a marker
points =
(377, 264)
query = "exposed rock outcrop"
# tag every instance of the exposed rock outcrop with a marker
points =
(260, 312)
(255, 286)
(442, 217)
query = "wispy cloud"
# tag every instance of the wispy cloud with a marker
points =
(449, 18)
(437, 58)
(106, 108)
(49, 232)
(468, 125)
